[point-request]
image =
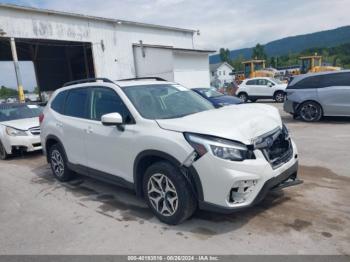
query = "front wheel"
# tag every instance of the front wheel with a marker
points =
(3, 154)
(279, 97)
(168, 193)
(310, 111)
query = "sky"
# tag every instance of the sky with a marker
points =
(230, 24)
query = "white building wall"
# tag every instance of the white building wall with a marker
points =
(157, 62)
(111, 42)
(191, 69)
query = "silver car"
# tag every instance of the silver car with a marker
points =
(312, 96)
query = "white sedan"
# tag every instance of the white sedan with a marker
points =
(19, 128)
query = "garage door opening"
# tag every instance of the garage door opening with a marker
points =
(50, 63)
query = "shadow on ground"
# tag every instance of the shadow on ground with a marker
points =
(122, 205)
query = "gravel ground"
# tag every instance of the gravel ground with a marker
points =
(39, 215)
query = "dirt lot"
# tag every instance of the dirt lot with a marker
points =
(39, 215)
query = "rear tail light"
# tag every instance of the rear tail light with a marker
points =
(41, 118)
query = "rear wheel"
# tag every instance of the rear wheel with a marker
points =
(310, 111)
(3, 154)
(168, 193)
(243, 96)
(58, 162)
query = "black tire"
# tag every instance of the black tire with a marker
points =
(177, 211)
(243, 96)
(253, 99)
(279, 97)
(58, 163)
(310, 111)
(3, 154)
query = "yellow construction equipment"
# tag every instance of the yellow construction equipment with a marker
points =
(313, 64)
(256, 68)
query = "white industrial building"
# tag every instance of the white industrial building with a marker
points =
(65, 46)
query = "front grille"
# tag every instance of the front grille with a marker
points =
(280, 150)
(35, 131)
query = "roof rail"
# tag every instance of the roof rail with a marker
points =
(88, 80)
(144, 78)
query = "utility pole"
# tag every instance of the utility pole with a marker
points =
(21, 97)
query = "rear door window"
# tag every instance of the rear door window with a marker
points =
(251, 82)
(262, 82)
(76, 103)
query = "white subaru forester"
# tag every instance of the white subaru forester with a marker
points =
(168, 144)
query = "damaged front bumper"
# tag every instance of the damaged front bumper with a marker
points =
(286, 179)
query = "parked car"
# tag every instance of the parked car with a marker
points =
(262, 88)
(168, 144)
(216, 98)
(19, 128)
(312, 96)
(11, 100)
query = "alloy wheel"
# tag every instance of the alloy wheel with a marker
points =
(244, 97)
(280, 97)
(162, 194)
(57, 163)
(310, 112)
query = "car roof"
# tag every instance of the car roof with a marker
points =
(298, 78)
(126, 83)
(263, 77)
(119, 83)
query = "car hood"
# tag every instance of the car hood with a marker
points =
(22, 124)
(226, 99)
(282, 86)
(237, 122)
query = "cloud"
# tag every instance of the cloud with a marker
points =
(226, 23)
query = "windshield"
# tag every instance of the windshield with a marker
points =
(10, 112)
(209, 93)
(165, 101)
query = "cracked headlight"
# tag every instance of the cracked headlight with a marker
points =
(15, 132)
(221, 148)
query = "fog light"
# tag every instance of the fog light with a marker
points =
(241, 190)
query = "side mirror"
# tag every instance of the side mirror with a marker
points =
(270, 85)
(112, 119)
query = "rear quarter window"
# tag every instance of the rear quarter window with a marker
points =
(336, 79)
(58, 102)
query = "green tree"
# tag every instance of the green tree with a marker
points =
(36, 90)
(6, 92)
(259, 52)
(237, 63)
(225, 55)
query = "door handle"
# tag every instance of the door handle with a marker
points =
(59, 124)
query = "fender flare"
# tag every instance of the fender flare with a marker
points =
(190, 173)
(53, 137)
